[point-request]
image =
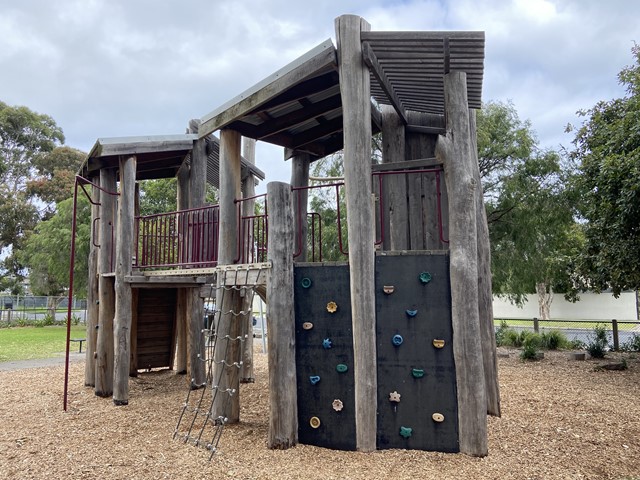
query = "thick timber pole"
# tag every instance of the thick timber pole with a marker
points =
(106, 294)
(124, 305)
(454, 150)
(93, 306)
(248, 209)
(182, 293)
(485, 297)
(300, 178)
(356, 107)
(197, 191)
(283, 418)
(394, 191)
(228, 302)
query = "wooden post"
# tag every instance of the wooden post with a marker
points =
(104, 341)
(485, 294)
(228, 300)
(394, 187)
(616, 337)
(300, 163)
(124, 251)
(454, 150)
(196, 344)
(283, 417)
(181, 299)
(133, 363)
(248, 209)
(356, 107)
(93, 306)
(536, 325)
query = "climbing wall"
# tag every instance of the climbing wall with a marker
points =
(324, 356)
(417, 401)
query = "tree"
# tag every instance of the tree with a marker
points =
(25, 138)
(607, 150)
(55, 175)
(528, 208)
(47, 252)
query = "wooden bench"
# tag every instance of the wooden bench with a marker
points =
(80, 340)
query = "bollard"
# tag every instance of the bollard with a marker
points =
(616, 338)
(536, 325)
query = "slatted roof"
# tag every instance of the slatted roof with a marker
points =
(158, 156)
(300, 107)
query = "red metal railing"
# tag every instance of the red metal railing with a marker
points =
(187, 238)
(253, 232)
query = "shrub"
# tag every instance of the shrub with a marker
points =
(48, 320)
(75, 319)
(632, 345)
(554, 340)
(39, 323)
(576, 344)
(530, 346)
(501, 332)
(598, 342)
(21, 322)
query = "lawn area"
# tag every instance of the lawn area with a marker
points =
(26, 343)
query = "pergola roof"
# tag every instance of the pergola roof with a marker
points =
(158, 156)
(300, 107)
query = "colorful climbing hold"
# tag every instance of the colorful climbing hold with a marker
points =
(438, 343)
(425, 277)
(411, 313)
(337, 405)
(417, 372)
(341, 368)
(397, 340)
(327, 344)
(406, 432)
(307, 325)
(437, 417)
(388, 289)
(314, 379)
(394, 397)
(332, 307)
(305, 282)
(314, 422)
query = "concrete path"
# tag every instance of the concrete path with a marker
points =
(40, 362)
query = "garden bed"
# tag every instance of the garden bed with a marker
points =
(561, 419)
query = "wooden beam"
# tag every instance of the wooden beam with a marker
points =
(426, 130)
(455, 152)
(300, 178)
(307, 65)
(418, 164)
(283, 416)
(124, 252)
(378, 72)
(356, 105)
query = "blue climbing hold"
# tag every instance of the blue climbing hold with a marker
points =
(327, 344)
(397, 340)
(411, 313)
(425, 277)
(406, 432)
(305, 282)
(314, 379)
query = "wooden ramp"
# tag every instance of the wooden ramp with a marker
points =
(156, 321)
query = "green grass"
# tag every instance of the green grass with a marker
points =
(26, 343)
(551, 324)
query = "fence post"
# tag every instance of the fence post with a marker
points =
(616, 338)
(536, 325)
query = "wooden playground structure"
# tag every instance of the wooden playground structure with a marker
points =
(393, 348)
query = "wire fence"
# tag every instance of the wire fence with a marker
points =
(20, 310)
(620, 333)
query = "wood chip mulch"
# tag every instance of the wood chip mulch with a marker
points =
(562, 419)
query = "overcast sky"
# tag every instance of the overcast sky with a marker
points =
(111, 68)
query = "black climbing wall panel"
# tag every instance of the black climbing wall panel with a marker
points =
(435, 390)
(315, 287)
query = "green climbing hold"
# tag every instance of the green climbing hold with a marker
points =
(417, 372)
(305, 282)
(425, 277)
(406, 432)
(341, 368)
